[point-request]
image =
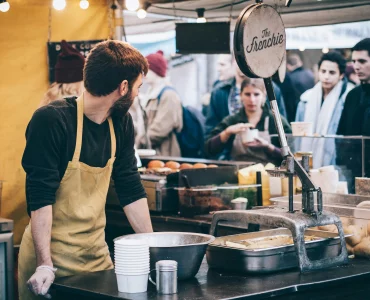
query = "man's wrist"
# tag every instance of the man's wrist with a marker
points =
(48, 263)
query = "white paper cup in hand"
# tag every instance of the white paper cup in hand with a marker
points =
(249, 135)
(302, 128)
(132, 283)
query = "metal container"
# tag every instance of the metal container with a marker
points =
(239, 204)
(161, 196)
(187, 249)
(166, 274)
(269, 259)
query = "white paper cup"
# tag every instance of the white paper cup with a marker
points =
(129, 251)
(130, 242)
(326, 169)
(302, 128)
(132, 272)
(342, 187)
(249, 135)
(128, 264)
(131, 255)
(144, 247)
(239, 203)
(132, 283)
(128, 271)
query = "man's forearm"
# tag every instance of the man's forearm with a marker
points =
(41, 221)
(138, 215)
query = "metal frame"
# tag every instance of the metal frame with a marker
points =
(7, 238)
(297, 223)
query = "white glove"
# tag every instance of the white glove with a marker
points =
(41, 280)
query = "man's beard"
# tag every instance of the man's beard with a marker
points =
(122, 105)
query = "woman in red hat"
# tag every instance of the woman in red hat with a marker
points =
(163, 111)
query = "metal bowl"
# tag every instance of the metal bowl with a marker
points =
(186, 248)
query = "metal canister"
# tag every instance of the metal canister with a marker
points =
(166, 271)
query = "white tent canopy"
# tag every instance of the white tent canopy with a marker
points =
(162, 16)
(315, 37)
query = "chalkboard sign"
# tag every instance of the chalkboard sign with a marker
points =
(54, 49)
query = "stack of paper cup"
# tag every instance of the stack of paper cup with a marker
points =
(131, 258)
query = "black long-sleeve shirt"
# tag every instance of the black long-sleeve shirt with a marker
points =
(51, 141)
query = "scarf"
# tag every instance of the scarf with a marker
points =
(320, 116)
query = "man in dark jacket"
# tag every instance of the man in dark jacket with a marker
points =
(355, 118)
(302, 79)
(225, 100)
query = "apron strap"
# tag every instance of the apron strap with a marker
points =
(112, 138)
(80, 119)
(267, 121)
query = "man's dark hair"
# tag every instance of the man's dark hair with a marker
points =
(336, 58)
(363, 45)
(109, 63)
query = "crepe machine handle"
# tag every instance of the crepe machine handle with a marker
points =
(277, 118)
(238, 217)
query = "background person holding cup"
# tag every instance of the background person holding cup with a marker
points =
(246, 134)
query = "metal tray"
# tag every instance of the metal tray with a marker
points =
(272, 259)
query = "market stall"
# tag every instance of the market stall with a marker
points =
(224, 219)
(305, 259)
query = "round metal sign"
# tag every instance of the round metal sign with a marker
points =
(259, 41)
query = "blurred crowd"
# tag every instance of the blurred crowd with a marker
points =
(235, 121)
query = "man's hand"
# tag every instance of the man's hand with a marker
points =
(41, 280)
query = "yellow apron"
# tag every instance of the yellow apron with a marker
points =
(77, 235)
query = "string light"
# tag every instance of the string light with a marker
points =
(4, 6)
(132, 5)
(325, 50)
(141, 13)
(201, 18)
(84, 4)
(59, 4)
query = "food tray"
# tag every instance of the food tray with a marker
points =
(354, 212)
(269, 259)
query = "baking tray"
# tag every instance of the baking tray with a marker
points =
(272, 259)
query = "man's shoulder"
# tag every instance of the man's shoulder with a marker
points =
(123, 123)
(55, 112)
(222, 90)
(354, 95)
(224, 84)
(356, 90)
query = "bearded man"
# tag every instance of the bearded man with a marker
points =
(74, 146)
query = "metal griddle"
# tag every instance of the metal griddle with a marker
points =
(261, 59)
